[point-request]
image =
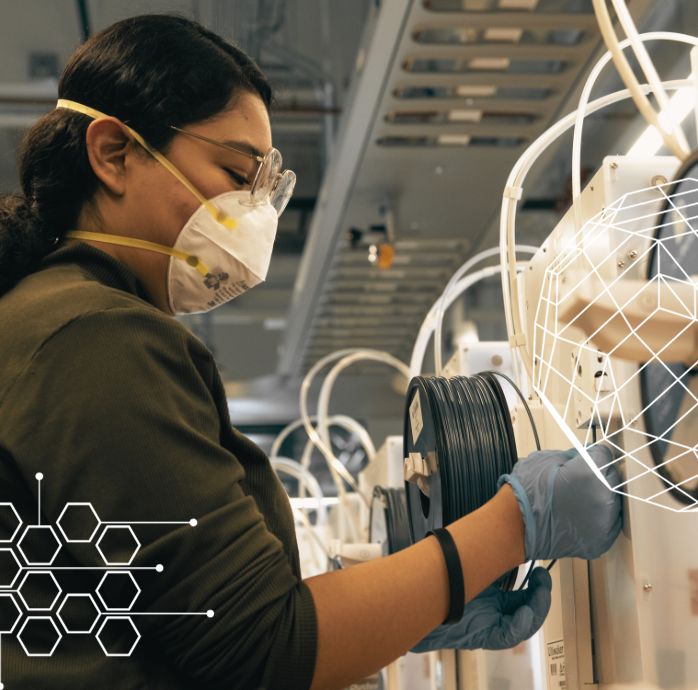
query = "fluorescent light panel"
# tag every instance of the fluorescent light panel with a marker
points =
(454, 139)
(490, 63)
(475, 91)
(465, 115)
(518, 4)
(503, 33)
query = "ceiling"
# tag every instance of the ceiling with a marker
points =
(461, 93)
(402, 119)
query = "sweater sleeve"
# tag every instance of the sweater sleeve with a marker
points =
(116, 409)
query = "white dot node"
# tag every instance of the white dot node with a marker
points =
(193, 522)
(39, 476)
(159, 567)
(209, 613)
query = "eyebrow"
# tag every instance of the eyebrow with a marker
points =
(248, 148)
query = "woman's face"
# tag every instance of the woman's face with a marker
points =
(212, 169)
(152, 204)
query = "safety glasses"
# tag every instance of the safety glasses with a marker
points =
(271, 183)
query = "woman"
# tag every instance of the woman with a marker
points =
(153, 189)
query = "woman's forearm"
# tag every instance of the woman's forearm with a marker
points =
(370, 614)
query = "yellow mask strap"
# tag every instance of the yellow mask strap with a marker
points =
(221, 217)
(139, 244)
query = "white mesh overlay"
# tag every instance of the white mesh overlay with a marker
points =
(616, 341)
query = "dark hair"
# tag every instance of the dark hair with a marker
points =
(150, 71)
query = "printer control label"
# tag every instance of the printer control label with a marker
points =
(555, 664)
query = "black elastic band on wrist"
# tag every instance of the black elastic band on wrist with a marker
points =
(455, 574)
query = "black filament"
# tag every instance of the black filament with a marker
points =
(390, 506)
(469, 421)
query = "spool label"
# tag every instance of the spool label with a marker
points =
(416, 420)
(555, 664)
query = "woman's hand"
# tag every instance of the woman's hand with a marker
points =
(495, 619)
(567, 511)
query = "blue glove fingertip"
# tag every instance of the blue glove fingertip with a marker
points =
(540, 595)
(522, 624)
(540, 578)
(602, 454)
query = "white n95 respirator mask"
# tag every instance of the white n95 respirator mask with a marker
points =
(223, 249)
(235, 260)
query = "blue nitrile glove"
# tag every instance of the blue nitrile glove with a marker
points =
(495, 619)
(566, 509)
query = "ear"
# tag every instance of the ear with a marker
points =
(108, 146)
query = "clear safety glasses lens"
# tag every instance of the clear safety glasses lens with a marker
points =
(283, 191)
(271, 184)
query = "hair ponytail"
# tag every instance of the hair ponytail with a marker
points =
(56, 179)
(21, 241)
(150, 71)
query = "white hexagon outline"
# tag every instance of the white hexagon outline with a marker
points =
(133, 625)
(76, 595)
(19, 569)
(39, 572)
(42, 527)
(133, 534)
(94, 531)
(6, 595)
(39, 618)
(118, 572)
(19, 522)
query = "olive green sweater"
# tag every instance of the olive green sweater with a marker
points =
(120, 406)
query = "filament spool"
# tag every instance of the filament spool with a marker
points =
(389, 524)
(458, 441)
